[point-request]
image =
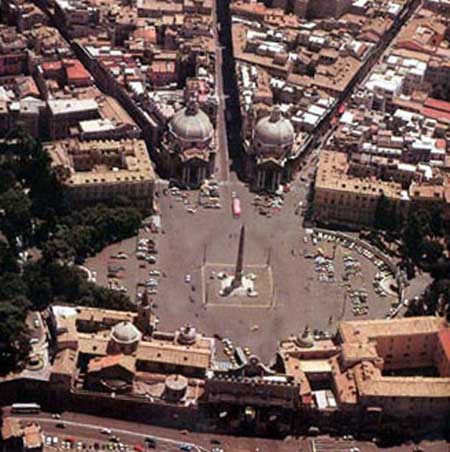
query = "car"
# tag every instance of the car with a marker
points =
(56, 416)
(150, 442)
(187, 278)
(215, 441)
(36, 323)
(34, 340)
(60, 425)
(185, 447)
(154, 273)
(106, 431)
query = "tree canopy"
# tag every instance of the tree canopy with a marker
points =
(34, 213)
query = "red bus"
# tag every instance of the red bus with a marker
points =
(236, 207)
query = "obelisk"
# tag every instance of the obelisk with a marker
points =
(239, 271)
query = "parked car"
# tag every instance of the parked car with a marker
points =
(150, 442)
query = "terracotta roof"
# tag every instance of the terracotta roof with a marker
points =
(437, 104)
(11, 428)
(51, 66)
(65, 362)
(76, 71)
(444, 338)
(174, 354)
(370, 329)
(98, 364)
(439, 115)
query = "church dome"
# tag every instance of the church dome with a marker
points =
(274, 131)
(305, 340)
(191, 124)
(125, 333)
(187, 335)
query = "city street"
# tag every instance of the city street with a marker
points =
(88, 429)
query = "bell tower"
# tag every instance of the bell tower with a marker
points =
(145, 318)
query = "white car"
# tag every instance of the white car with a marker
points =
(106, 431)
(187, 279)
(154, 273)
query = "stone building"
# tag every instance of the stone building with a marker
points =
(188, 148)
(100, 170)
(269, 160)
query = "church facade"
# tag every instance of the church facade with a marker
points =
(188, 147)
(270, 158)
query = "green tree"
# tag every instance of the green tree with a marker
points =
(8, 259)
(436, 222)
(385, 214)
(14, 334)
(413, 234)
(11, 285)
(431, 251)
(16, 218)
(7, 179)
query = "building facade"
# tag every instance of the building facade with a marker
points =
(269, 157)
(188, 149)
(97, 171)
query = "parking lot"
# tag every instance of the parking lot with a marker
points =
(192, 235)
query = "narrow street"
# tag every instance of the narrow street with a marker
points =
(222, 156)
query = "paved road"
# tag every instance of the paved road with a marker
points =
(88, 428)
(222, 159)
